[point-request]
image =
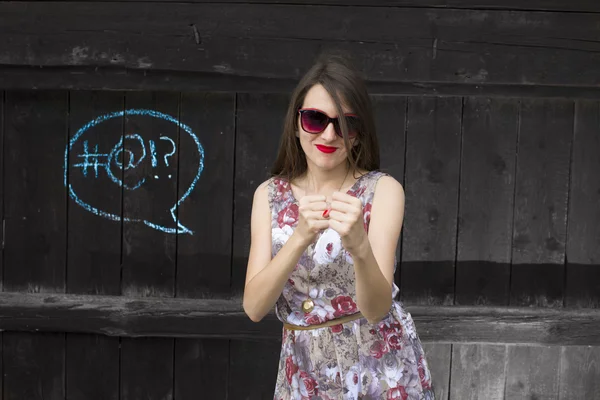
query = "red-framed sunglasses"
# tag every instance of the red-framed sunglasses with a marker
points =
(315, 121)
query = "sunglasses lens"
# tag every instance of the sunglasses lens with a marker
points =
(313, 121)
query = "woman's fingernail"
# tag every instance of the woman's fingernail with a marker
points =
(325, 213)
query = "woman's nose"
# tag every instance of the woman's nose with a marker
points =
(329, 133)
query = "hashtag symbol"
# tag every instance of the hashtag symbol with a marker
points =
(91, 160)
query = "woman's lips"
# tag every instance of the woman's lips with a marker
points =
(326, 149)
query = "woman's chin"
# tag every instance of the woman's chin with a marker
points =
(328, 164)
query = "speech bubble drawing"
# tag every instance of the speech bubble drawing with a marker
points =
(124, 159)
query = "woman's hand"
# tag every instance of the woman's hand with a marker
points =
(310, 218)
(346, 218)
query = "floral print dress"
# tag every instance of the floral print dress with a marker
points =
(353, 360)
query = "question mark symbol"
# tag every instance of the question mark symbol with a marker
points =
(165, 157)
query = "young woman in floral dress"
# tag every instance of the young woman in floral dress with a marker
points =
(324, 231)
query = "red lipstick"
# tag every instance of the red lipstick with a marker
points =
(326, 149)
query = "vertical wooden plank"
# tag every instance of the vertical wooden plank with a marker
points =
(150, 190)
(149, 247)
(147, 369)
(34, 366)
(486, 201)
(202, 366)
(204, 257)
(35, 219)
(439, 359)
(94, 249)
(259, 128)
(532, 372)
(92, 367)
(253, 369)
(390, 121)
(583, 264)
(544, 151)
(432, 177)
(2, 158)
(35, 235)
(579, 373)
(478, 372)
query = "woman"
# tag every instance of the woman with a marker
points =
(324, 231)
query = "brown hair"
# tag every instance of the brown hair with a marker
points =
(344, 84)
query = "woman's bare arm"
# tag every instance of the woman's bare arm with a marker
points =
(266, 277)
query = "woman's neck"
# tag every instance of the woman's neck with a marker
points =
(318, 181)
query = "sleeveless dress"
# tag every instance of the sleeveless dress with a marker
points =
(353, 360)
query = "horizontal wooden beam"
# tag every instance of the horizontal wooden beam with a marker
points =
(241, 46)
(176, 317)
(101, 78)
(537, 5)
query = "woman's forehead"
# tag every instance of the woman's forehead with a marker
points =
(318, 97)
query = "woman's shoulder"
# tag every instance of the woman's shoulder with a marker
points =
(274, 190)
(378, 176)
(381, 183)
(386, 185)
(263, 188)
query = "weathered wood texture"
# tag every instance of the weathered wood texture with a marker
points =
(35, 235)
(431, 187)
(2, 108)
(204, 258)
(541, 5)
(149, 255)
(208, 210)
(127, 79)
(94, 245)
(253, 44)
(164, 317)
(487, 180)
(439, 359)
(258, 130)
(579, 373)
(532, 372)
(390, 112)
(541, 196)
(478, 372)
(583, 230)
(477, 171)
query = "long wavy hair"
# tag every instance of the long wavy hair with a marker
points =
(345, 86)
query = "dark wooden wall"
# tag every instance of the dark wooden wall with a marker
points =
(488, 114)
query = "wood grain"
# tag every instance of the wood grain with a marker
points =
(478, 371)
(583, 262)
(487, 185)
(432, 176)
(211, 318)
(411, 44)
(579, 373)
(541, 197)
(94, 243)
(35, 217)
(532, 372)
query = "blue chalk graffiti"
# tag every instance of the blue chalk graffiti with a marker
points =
(115, 155)
(125, 159)
(86, 162)
(166, 156)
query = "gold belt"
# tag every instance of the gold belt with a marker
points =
(337, 321)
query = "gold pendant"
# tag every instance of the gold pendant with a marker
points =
(308, 305)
